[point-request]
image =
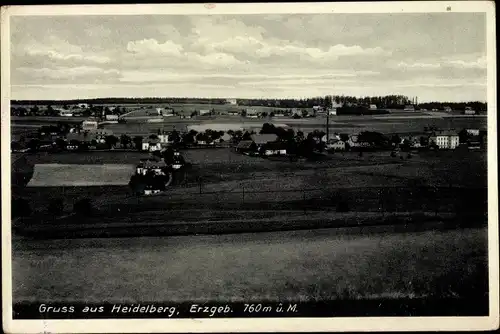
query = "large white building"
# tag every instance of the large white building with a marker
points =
(445, 139)
(90, 124)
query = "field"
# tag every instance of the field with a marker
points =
(351, 227)
(223, 180)
(397, 121)
(314, 265)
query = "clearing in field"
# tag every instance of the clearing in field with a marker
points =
(54, 175)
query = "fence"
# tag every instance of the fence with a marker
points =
(459, 200)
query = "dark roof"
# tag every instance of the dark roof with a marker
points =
(79, 136)
(264, 138)
(444, 133)
(275, 146)
(245, 144)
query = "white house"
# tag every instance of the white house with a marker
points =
(373, 107)
(409, 107)
(83, 105)
(112, 117)
(473, 132)
(90, 124)
(231, 102)
(205, 112)
(151, 165)
(163, 138)
(252, 113)
(445, 139)
(469, 111)
(65, 113)
(447, 109)
(274, 148)
(151, 145)
(331, 136)
(337, 145)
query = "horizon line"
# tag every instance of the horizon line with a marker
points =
(236, 98)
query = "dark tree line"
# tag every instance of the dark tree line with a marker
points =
(388, 101)
(476, 105)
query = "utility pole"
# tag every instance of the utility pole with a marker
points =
(328, 119)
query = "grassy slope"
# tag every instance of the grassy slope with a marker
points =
(301, 265)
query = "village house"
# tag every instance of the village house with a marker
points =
(252, 113)
(469, 111)
(246, 146)
(204, 112)
(65, 113)
(331, 136)
(167, 112)
(100, 135)
(112, 118)
(412, 140)
(261, 139)
(146, 165)
(336, 145)
(151, 144)
(445, 139)
(90, 124)
(473, 132)
(273, 148)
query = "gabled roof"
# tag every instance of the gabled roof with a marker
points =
(264, 138)
(245, 144)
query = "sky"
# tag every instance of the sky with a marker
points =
(435, 56)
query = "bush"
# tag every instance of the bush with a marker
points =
(83, 207)
(56, 207)
(20, 208)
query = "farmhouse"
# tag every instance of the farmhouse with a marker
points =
(445, 139)
(205, 112)
(373, 107)
(273, 148)
(409, 107)
(231, 102)
(447, 109)
(261, 139)
(83, 105)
